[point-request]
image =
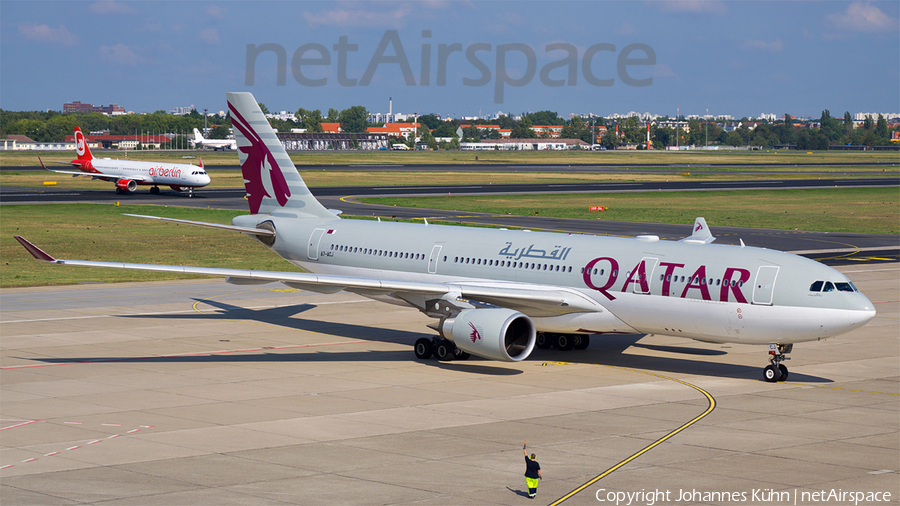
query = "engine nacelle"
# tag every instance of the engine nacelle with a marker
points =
(176, 188)
(126, 185)
(495, 334)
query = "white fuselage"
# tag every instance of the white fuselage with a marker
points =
(151, 173)
(715, 293)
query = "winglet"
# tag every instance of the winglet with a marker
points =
(34, 250)
(201, 161)
(701, 233)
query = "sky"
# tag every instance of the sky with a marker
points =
(457, 58)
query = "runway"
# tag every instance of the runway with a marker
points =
(199, 392)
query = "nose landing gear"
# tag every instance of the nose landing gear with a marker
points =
(776, 371)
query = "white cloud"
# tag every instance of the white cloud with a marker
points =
(111, 7)
(710, 6)
(44, 33)
(862, 17)
(664, 70)
(210, 36)
(776, 46)
(344, 18)
(216, 12)
(627, 29)
(119, 54)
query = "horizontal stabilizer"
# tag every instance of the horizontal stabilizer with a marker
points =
(246, 230)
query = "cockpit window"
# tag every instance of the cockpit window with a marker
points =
(844, 287)
(816, 287)
(829, 287)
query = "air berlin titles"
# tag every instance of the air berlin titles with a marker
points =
(165, 172)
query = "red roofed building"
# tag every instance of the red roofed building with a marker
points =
(396, 129)
(331, 128)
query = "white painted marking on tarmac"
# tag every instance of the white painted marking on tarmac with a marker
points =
(72, 448)
(20, 424)
(51, 454)
(8, 466)
(32, 459)
(95, 441)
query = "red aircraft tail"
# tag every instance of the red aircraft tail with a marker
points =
(81, 147)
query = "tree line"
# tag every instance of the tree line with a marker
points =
(53, 126)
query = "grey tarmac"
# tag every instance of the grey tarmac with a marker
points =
(199, 392)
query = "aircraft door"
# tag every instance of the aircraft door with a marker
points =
(765, 285)
(433, 260)
(644, 277)
(312, 251)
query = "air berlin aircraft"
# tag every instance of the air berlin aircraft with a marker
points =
(128, 174)
(498, 294)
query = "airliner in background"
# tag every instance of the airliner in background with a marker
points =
(498, 294)
(216, 144)
(128, 174)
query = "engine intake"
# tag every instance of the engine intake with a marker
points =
(126, 185)
(495, 334)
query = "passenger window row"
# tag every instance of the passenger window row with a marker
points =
(702, 281)
(828, 286)
(377, 252)
(514, 265)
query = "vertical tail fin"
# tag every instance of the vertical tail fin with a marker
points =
(198, 137)
(270, 178)
(81, 147)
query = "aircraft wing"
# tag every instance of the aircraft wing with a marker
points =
(532, 300)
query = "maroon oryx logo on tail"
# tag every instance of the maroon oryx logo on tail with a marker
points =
(260, 167)
(475, 335)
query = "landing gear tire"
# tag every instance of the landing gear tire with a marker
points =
(543, 341)
(784, 372)
(190, 192)
(444, 352)
(581, 341)
(776, 371)
(564, 342)
(118, 191)
(423, 348)
(461, 355)
(155, 190)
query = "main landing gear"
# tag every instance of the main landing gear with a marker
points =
(776, 371)
(563, 342)
(154, 190)
(442, 349)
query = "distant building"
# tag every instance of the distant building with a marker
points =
(306, 141)
(121, 141)
(76, 106)
(25, 143)
(182, 111)
(523, 145)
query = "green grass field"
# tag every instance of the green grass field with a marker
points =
(100, 232)
(861, 210)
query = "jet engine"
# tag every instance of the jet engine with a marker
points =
(126, 185)
(496, 334)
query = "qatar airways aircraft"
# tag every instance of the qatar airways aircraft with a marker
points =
(499, 293)
(128, 174)
(216, 144)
